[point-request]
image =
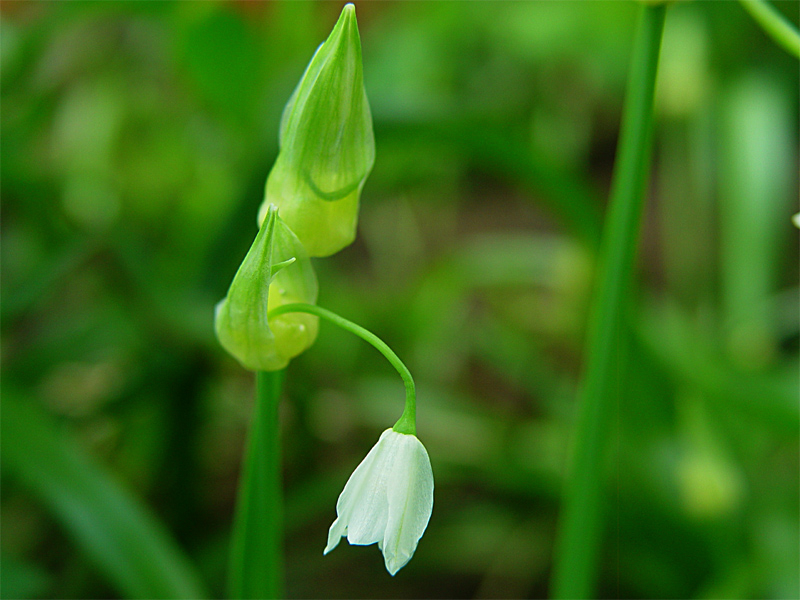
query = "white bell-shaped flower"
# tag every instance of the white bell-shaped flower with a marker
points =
(388, 499)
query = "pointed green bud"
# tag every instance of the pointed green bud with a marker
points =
(327, 147)
(276, 271)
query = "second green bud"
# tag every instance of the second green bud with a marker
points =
(276, 271)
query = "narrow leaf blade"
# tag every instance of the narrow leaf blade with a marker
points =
(124, 540)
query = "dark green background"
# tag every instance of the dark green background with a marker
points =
(136, 140)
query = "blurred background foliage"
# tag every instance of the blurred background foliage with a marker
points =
(136, 140)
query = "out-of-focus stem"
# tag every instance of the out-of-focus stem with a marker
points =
(774, 24)
(580, 526)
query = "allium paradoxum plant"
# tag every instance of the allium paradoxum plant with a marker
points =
(269, 315)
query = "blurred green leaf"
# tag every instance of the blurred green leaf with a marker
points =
(687, 352)
(503, 150)
(21, 579)
(125, 541)
(221, 54)
(758, 175)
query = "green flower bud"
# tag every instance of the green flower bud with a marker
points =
(276, 271)
(327, 147)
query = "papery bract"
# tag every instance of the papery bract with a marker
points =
(276, 271)
(327, 147)
(388, 499)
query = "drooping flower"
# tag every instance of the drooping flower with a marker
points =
(327, 146)
(388, 499)
(276, 271)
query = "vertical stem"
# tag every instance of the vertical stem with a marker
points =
(256, 562)
(579, 532)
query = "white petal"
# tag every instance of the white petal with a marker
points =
(370, 513)
(362, 508)
(335, 533)
(410, 497)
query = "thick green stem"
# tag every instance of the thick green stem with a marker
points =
(256, 564)
(408, 420)
(774, 24)
(580, 526)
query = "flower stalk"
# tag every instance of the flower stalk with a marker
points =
(407, 423)
(256, 559)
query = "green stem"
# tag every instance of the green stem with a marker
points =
(774, 24)
(256, 563)
(407, 423)
(579, 531)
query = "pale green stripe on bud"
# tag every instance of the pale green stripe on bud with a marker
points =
(327, 147)
(276, 271)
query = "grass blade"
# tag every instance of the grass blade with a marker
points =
(579, 530)
(774, 24)
(125, 541)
